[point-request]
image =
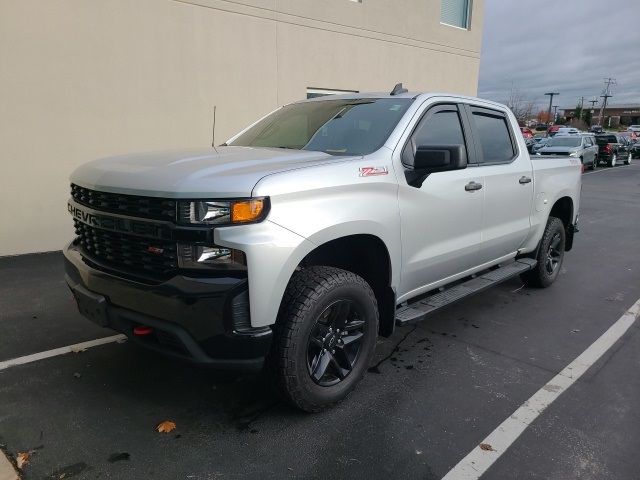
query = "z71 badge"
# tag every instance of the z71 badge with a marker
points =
(373, 171)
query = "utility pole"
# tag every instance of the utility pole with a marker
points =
(551, 95)
(581, 101)
(608, 82)
(593, 102)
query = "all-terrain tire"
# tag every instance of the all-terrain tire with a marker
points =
(311, 291)
(553, 240)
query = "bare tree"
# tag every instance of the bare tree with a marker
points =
(520, 105)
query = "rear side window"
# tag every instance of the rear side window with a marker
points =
(494, 138)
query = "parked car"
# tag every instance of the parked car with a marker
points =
(526, 132)
(635, 150)
(613, 148)
(529, 142)
(541, 126)
(303, 237)
(634, 128)
(553, 129)
(540, 142)
(567, 131)
(579, 146)
(596, 129)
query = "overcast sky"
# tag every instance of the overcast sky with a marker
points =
(566, 46)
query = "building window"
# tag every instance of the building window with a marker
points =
(455, 13)
(321, 92)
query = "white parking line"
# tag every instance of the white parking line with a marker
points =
(612, 169)
(61, 351)
(480, 459)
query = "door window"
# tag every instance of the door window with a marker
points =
(440, 126)
(494, 138)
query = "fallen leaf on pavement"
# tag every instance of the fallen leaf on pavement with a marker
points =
(166, 426)
(486, 446)
(22, 459)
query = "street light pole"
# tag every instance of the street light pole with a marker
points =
(555, 113)
(551, 95)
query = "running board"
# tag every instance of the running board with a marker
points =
(414, 312)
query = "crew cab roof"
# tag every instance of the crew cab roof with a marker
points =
(411, 95)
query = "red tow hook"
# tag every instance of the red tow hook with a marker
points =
(142, 330)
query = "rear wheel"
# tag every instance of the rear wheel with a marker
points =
(628, 160)
(613, 160)
(549, 257)
(325, 337)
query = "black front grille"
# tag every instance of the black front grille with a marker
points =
(129, 252)
(133, 205)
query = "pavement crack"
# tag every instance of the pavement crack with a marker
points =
(376, 368)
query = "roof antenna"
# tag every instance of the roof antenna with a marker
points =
(213, 130)
(397, 90)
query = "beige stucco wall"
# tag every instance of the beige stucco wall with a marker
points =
(81, 79)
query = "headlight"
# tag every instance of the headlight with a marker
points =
(204, 256)
(214, 212)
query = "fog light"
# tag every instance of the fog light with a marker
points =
(209, 256)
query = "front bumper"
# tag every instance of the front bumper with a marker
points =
(202, 320)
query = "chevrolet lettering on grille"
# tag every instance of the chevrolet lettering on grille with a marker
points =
(117, 223)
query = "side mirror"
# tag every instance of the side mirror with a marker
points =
(439, 158)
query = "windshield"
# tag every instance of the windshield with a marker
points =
(564, 142)
(604, 139)
(337, 127)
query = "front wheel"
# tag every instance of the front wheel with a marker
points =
(549, 257)
(325, 337)
(594, 164)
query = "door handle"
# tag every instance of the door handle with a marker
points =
(523, 180)
(472, 186)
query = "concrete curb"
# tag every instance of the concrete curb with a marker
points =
(7, 471)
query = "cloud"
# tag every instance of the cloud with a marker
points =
(565, 46)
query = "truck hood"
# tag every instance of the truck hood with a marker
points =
(229, 172)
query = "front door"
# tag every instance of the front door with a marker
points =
(441, 215)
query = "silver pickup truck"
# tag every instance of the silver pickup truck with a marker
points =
(321, 226)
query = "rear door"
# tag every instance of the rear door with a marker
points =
(508, 183)
(590, 151)
(441, 215)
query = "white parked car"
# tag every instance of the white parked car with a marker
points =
(634, 128)
(568, 131)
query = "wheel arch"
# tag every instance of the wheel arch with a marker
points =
(368, 256)
(563, 209)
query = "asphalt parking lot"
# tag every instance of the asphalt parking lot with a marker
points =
(435, 391)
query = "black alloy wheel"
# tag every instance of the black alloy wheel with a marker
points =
(554, 254)
(548, 256)
(335, 343)
(325, 337)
